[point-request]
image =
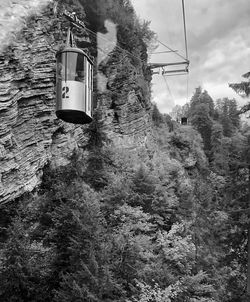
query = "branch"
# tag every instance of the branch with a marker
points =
(246, 75)
(243, 88)
(244, 109)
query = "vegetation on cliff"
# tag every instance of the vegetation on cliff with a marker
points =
(165, 221)
(111, 235)
(157, 223)
(30, 133)
(226, 144)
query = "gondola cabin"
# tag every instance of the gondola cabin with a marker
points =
(184, 121)
(74, 86)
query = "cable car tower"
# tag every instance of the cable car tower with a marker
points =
(74, 79)
(180, 67)
(176, 68)
(184, 64)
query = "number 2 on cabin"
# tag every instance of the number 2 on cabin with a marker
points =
(65, 92)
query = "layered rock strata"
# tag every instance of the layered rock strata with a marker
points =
(30, 133)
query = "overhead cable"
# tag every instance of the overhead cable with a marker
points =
(168, 88)
(187, 86)
(172, 50)
(167, 51)
(186, 47)
(185, 31)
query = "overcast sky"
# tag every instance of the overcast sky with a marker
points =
(218, 34)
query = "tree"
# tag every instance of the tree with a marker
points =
(179, 111)
(157, 117)
(199, 98)
(22, 270)
(243, 88)
(201, 114)
(202, 121)
(228, 115)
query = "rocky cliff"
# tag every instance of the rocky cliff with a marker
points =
(30, 133)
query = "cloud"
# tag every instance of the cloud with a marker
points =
(216, 58)
(164, 102)
(218, 43)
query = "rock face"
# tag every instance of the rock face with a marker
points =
(13, 14)
(30, 133)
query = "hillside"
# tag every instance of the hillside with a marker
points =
(117, 212)
(133, 207)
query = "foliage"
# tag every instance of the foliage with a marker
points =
(23, 274)
(228, 115)
(152, 231)
(201, 113)
(161, 222)
(242, 88)
(156, 116)
(201, 97)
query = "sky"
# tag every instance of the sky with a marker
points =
(218, 42)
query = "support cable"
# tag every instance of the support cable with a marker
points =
(167, 51)
(172, 50)
(174, 75)
(187, 86)
(186, 48)
(168, 88)
(185, 31)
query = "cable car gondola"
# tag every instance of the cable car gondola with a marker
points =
(74, 84)
(184, 121)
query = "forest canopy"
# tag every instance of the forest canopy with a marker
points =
(163, 221)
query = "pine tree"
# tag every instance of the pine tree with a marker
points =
(202, 121)
(243, 89)
(23, 269)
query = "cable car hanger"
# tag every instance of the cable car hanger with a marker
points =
(74, 19)
(186, 60)
(174, 72)
(74, 78)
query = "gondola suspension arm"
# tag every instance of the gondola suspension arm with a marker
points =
(186, 60)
